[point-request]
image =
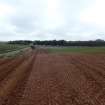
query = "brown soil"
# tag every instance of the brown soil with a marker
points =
(40, 78)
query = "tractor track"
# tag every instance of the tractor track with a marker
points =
(12, 83)
(5, 61)
(41, 78)
(9, 67)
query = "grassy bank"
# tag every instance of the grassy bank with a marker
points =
(7, 50)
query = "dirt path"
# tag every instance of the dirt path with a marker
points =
(54, 79)
(57, 80)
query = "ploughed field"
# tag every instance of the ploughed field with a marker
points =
(42, 78)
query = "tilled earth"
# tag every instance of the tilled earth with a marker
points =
(42, 78)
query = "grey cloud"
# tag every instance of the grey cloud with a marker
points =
(23, 23)
(28, 16)
(30, 19)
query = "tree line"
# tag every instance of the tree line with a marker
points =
(90, 43)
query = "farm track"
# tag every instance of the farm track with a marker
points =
(41, 78)
(10, 66)
(10, 83)
(4, 61)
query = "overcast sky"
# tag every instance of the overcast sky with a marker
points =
(52, 19)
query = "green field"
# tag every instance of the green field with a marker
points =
(10, 49)
(77, 50)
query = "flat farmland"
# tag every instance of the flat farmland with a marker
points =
(77, 49)
(40, 77)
